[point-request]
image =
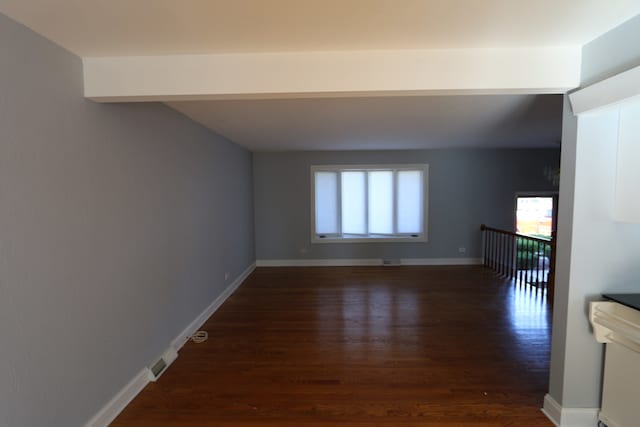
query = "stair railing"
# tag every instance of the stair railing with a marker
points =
(525, 259)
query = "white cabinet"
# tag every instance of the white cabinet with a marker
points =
(618, 96)
(619, 327)
(627, 193)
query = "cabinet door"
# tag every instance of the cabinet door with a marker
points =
(627, 200)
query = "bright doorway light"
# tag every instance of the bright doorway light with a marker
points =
(534, 216)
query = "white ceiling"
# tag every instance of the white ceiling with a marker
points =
(92, 28)
(160, 27)
(412, 122)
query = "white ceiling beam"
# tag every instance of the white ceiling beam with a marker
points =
(340, 73)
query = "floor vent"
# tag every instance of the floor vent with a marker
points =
(158, 368)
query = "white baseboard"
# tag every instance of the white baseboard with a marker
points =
(569, 417)
(120, 401)
(441, 261)
(608, 421)
(552, 409)
(183, 337)
(317, 262)
(360, 262)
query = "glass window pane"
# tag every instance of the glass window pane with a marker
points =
(381, 202)
(354, 220)
(410, 201)
(326, 188)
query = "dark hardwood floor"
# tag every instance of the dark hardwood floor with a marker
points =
(366, 346)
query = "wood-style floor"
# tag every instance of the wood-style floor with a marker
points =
(365, 346)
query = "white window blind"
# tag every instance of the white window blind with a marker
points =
(354, 213)
(410, 202)
(326, 185)
(380, 206)
(355, 203)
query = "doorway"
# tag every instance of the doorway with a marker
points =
(536, 214)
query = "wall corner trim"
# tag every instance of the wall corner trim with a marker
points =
(569, 417)
(119, 402)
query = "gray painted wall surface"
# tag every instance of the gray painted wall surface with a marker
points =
(117, 224)
(595, 254)
(466, 188)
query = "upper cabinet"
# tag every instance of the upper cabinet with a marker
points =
(627, 199)
(618, 98)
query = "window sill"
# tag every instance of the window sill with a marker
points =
(369, 239)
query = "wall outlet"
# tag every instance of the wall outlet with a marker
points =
(226, 276)
(462, 250)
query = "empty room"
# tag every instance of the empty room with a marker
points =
(318, 213)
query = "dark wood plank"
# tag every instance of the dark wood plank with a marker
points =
(367, 346)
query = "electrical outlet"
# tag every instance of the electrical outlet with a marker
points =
(226, 276)
(462, 250)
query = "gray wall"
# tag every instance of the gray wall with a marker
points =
(466, 188)
(563, 250)
(595, 253)
(117, 225)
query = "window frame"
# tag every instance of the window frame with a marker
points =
(371, 238)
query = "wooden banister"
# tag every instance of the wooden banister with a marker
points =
(525, 259)
(511, 233)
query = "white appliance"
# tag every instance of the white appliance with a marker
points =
(618, 326)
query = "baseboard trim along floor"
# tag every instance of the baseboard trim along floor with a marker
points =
(365, 261)
(569, 417)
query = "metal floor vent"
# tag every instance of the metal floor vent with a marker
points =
(158, 368)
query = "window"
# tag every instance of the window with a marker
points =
(363, 203)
